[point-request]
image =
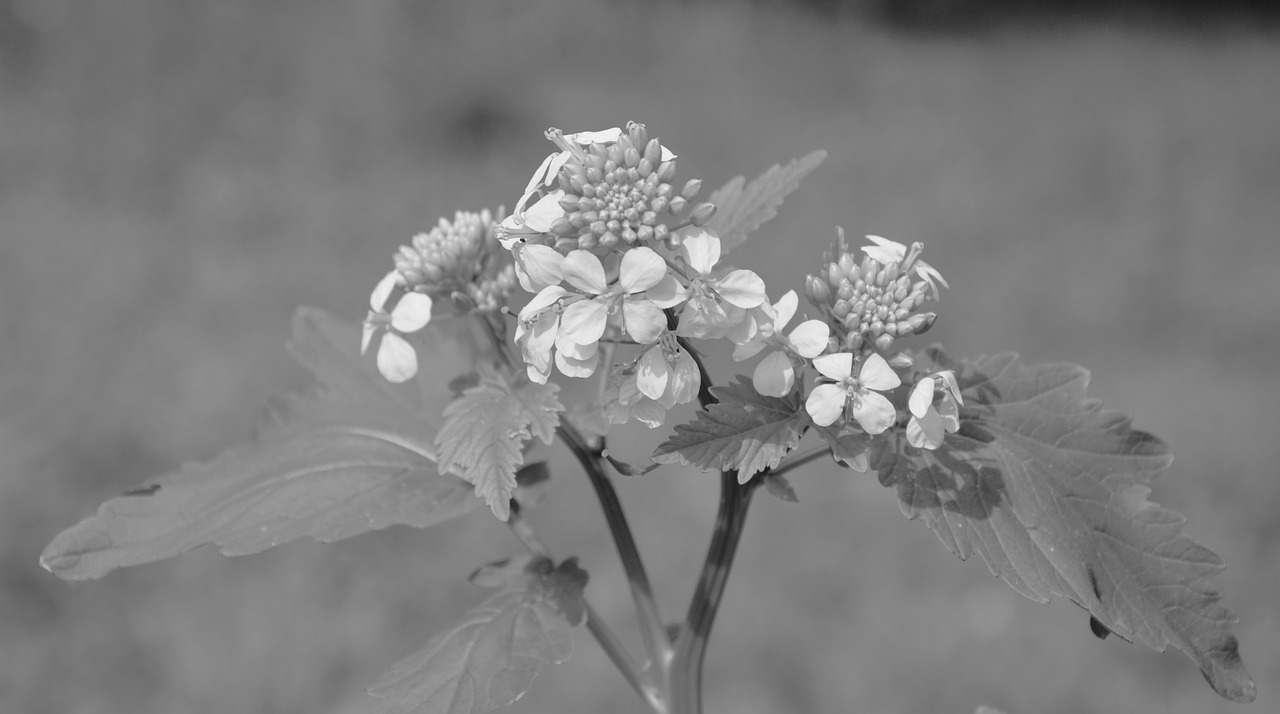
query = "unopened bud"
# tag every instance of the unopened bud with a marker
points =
(666, 170)
(921, 323)
(653, 151)
(631, 157)
(637, 134)
(884, 342)
(678, 204)
(691, 189)
(702, 213)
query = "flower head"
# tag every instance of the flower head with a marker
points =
(853, 396)
(397, 360)
(875, 300)
(934, 406)
(663, 376)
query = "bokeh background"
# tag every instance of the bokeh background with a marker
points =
(1100, 182)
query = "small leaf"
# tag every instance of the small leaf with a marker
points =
(740, 210)
(489, 659)
(780, 488)
(352, 455)
(1051, 491)
(485, 430)
(744, 431)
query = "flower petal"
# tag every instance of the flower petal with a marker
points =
(825, 403)
(643, 320)
(809, 339)
(927, 430)
(584, 271)
(668, 292)
(785, 309)
(543, 300)
(741, 288)
(604, 136)
(877, 374)
(885, 251)
(652, 373)
(541, 215)
(838, 366)
(874, 412)
(747, 350)
(921, 397)
(584, 321)
(701, 249)
(396, 359)
(949, 379)
(378, 298)
(571, 366)
(775, 375)
(539, 266)
(685, 379)
(641, 269)
(412, 313)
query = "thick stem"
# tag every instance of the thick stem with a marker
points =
(691, 646)
(652, 629)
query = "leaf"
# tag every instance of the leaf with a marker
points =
(1051, 491)
(352, 455)
(485, 430)
(780, 488)
(489, 659)
(744, 431)
(740, 210)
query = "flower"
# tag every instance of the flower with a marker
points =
(775, 375)
(663, 376)
(396, 359)
(934, 414)
(537, 266)
(709, 291)
(641, 270)
(537, 327)
(855, 395)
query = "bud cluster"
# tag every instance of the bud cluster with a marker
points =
(876, 300)
(457, 259)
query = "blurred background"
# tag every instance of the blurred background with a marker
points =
(1098, 181)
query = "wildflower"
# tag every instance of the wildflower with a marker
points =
(934, 414)
(641, 270)
(536, 329)
(537, 266)
(853, 396)
(668, 374)
(873, 301)
(706, 316)
(532, 223)
(775, 375)
(396, 359)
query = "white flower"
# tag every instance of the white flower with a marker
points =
(396, 359)
(668, 374)
(537, 266)
(536, 331)
(531, 222)
(775, 375)
(857, 395)
(641, 270)
(932, 419)
(887, 252)
(706, 315)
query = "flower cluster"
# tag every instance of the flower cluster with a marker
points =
(460, 261)
(875, 300)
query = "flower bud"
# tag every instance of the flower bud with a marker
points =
(691, 189)
(702, 213)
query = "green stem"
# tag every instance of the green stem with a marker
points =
(796, 462)
(652, 629)
(691, 646)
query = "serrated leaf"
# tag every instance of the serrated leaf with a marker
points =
(485, 430)
(744, 431)
(741, 208)
(1051, 491)
(489, 659)
(354, 454)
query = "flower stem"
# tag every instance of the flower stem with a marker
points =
(691, 645)
(652, 630)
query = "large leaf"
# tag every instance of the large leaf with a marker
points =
(486, 428)
(743, 430)
(354, 454)
(1051, 491)
(743, 207)
(489, 659)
